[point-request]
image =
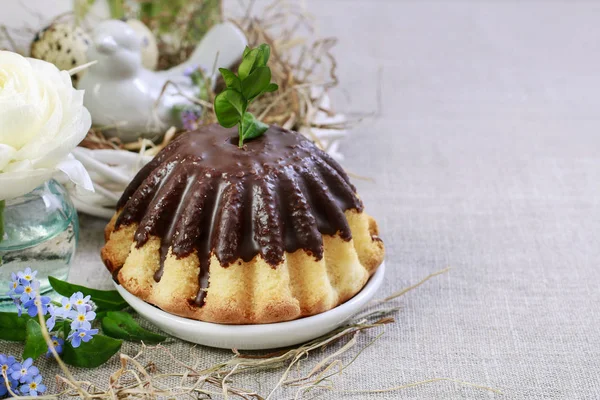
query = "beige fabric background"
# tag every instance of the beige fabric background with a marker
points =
(486, 158)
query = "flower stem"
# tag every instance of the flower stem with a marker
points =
(241, 142)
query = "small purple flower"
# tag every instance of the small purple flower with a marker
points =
(65, 308)
(33, 387)
(12, 384)
(23, 372)
(80, 335)
(27, 275)
(190, 70)
(58, 344)
(50, 322)
(27, 290)
(32, 306)
(18, 305)
(15, 282)
(189, 119)
(6, 363)
(23, 288)
(77, 299)
(81, 318)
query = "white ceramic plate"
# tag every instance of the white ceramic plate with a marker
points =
(256, 337)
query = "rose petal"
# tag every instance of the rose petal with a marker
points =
(18, 183)
(6, 155)
(48, 152)
(42, 119)
(22, 165)
(76, 172)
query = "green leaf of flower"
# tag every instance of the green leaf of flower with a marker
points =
(264, 52)
(256, 82)
(231, 79)
(13, 327)
(104, 299)
(246, 51)
(121, 325)
(247, 65)
(254, 78)
(116, 9)
(91, 354)
(271, 88)
(251, 127)
(229, 107)
(35, 345)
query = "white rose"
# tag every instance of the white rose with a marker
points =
(42, 118)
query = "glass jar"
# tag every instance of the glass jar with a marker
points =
(41, 231)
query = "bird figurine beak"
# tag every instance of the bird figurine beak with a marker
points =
(106, 45)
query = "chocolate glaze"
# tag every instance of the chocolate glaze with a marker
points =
(202, 193)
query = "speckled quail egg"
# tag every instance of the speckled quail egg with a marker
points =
(149, 46)
(64, 45)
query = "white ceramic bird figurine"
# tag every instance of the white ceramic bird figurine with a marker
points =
(121, 93)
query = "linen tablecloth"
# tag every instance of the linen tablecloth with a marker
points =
(484, 155)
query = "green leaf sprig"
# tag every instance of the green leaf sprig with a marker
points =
(121, 325)
(106, 300)
(116, 326)
(91, 354)
(253, 79)
(13, 327)
(35, 344)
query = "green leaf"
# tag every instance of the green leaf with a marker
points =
(271, 88)
(66, 327)
(251, 127)
(91, 354)
(35, 345)
(247, 65)
(264, 52)
(198, 79)
(146, 10)
(256, 82)
(246, 51)
(236, 99)
(121, 325)
(104, 299)
(231, 80)
(254, 78)
(229, 107)
(13, 327)
(116, 9)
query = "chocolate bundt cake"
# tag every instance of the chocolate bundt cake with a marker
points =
(270, 232)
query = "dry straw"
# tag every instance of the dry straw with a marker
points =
(304, 69)
(302, 66)
(143, 380)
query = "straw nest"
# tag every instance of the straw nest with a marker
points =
(303, 68)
